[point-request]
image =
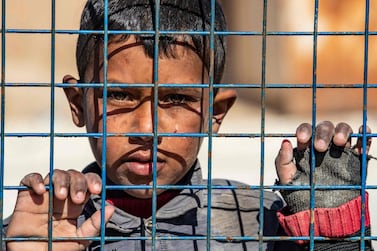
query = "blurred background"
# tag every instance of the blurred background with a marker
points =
(289, 59)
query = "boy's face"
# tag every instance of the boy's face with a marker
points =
(129, 160)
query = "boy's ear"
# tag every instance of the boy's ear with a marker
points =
(75, 99)
(223, 101)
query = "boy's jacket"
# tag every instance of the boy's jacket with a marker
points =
(234, 213)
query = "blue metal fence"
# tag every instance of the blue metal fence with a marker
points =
(262, 135)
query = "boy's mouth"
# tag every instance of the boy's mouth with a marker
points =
(143, 165)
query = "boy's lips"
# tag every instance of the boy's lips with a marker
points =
(142, 165)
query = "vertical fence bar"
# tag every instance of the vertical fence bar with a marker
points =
(155, 118)
(104, 120)
(210, 115)
(365, 114)
(2, 136)
(314, 121)
(52, 123)
(263, 122)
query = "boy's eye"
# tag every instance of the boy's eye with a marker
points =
(119, 96)
(176, 99)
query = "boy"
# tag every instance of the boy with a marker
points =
(180, 212)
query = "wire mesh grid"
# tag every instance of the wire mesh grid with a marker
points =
(262, 135)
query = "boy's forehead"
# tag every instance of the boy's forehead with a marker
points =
(131, 52)
(176, 48)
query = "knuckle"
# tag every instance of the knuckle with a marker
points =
(77, 180)
(31, 178)
(93, 178)
(61, 178)
(304, 127)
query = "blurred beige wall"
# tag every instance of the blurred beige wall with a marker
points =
(340, 59)
(28, 56)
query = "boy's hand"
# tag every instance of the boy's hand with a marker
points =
(336, 164)
(71, 191)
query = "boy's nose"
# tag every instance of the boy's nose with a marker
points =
(143, 122)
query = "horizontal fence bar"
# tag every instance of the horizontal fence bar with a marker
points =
(194, 135)
(189, 32)
(193, 237)
(222, 187)
(217, 238)
(171, 85)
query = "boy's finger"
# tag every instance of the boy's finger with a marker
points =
(94, 183)
(359, 145)
(285, 167)
(61, 181)
(342, 135)
(78, 186)
(323, 135)
(303, 136)
(92, 226)
(35, 182)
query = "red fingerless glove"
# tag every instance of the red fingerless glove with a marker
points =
(341, 221)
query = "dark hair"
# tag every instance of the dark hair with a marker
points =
(138, 15)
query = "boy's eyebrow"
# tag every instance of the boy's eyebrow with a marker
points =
(171, 85)
(197, 91)
(161, 88)
(178, 88)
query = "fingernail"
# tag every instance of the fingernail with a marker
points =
(63, 191)
(41, 187)
(285, 141)
(97, 187)
(80, 195)
(321, 145)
